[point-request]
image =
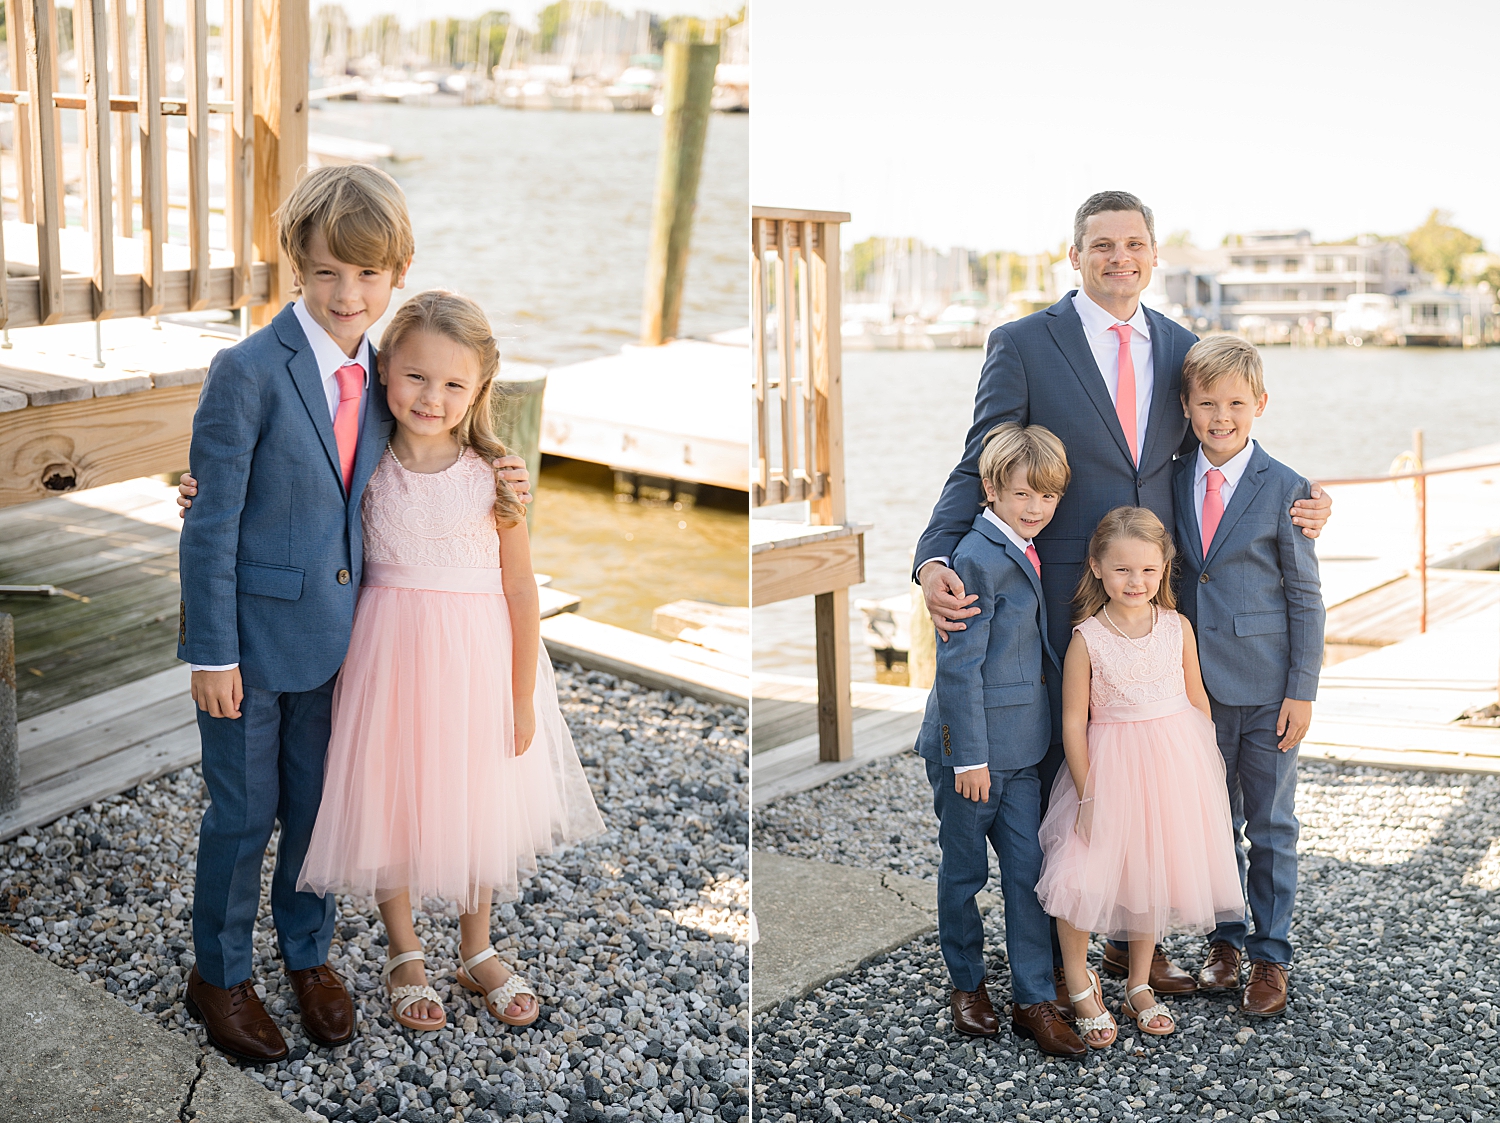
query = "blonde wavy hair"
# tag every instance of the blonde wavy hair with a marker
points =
(1138, 523)
(458, 318)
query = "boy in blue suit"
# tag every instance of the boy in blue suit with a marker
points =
(988, 724)
(1250, 588)
(288, 430)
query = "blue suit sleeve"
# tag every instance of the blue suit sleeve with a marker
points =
(226, 429)
(1002, 396)
(1304, 599)
(959, 678)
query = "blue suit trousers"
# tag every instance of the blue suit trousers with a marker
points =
(1007, 823)
(262, 768)
(1262, 784)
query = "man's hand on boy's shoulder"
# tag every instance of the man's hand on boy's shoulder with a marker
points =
(512, 470)
(1312, 514)
(943, 593)
(187, 487)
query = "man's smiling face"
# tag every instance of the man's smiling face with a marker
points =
(1116, 258)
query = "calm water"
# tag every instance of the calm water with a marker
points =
(1332, 413)
(544, 219)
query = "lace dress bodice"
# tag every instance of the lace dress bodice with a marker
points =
(442, 518)
(1129, 672)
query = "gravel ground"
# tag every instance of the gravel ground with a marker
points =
(1394, 1006)
(635, 940)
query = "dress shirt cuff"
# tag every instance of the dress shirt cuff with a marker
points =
(957, 768)
(225, 667)
(945, 560)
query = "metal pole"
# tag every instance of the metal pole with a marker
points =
(1421, 484)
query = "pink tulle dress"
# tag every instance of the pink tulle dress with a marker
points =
(422, 788)
(1160, 855)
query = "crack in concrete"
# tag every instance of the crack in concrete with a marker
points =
(920, 906)
(186, 1114)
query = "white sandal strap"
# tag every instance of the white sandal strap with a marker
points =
(469, 964)
(1081, 995)
(504, 994)
(397, 960)
(404, 998)
(1133, 991)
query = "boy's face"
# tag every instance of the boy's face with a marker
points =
(346, 300)
(1222, 417)
(1020, 506)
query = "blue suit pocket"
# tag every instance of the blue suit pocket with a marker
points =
(280, 581)
(1259, 623)
(1013, 694)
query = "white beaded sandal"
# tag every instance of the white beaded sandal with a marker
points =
(1104, 1020)
(404, 998)
(503, 995)
(1143, 1017)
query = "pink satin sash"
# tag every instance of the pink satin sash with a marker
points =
(1145, 711)
(441, 578)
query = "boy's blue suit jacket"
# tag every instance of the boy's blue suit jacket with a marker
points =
(271, 549)
(1255, 601)
(991, 701)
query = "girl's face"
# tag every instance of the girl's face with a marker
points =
(1131, 570)
(429, 382)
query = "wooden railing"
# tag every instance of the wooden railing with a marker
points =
(799, 424)
(263, 106)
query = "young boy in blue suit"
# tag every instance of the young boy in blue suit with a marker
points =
(1250, 589)
(288, 430)
(988, 724)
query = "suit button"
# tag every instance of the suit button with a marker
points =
(343, 576)
(1044, 679)
(1203, 580)
(1139, 482)
(947, 752)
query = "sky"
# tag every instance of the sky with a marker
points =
(985, 124)
(523, 11)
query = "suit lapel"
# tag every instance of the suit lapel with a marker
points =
(374, 432)
(1018, 556)
(1182, 494)
(304, 370)
(1250, 483)
(1161, 380)
(1067, 332)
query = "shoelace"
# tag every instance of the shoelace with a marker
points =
(1218, 953)
(1261, 972)
(241, 993)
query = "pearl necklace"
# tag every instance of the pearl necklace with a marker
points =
(1139, 643)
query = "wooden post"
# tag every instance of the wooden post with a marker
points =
(91, 51)
(1421, 482)
(150, 29)
(17, 17)
(516, 407)
(238, 35)
(10, 748)
(46, 146)
(196, 37)
(689, 69)
(119, 57)
(279, 65)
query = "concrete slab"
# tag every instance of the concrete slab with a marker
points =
(818, 920)
(70, 1053)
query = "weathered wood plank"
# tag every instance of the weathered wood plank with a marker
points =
(80, 671)
(239, 217)
(17, 16)
(83, 444)
(153, 146)
(92, 51)
(41, 76)
(196, 52)
(119, 54)
(83, 748)
(640, 658)
(803, 570)
(835, 717)
(97, 709)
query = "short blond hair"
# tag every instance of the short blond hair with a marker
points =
(1036, 449)
(361, 212)
(1219, 356)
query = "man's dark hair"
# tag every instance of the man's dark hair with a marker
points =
(1103, 201)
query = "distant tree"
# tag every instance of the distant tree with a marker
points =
(1180, 238)
(1437, 245)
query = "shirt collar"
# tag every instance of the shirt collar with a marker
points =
(1233, 469)
(1021, 543)
(1097, 321)
(328, 354)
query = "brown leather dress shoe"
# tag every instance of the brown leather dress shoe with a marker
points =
(1042, 1023)
(327, 1012)
(1221, 968)
(972, 1012)
(235, 1020)
(1063, 1003)
(1166, 976)
(1265, 993)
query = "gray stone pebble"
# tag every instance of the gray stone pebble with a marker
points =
(1395, 994)
(636, 940)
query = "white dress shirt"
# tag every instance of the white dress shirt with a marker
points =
(330, 357)
(1105, 344)
(1233, 469)
(1021, 544)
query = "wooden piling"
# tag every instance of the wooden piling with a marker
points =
(516, 408)
(689, 70)
(10, 747)
(279, 66)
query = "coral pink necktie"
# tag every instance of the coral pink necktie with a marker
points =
(1034, 558)
(1125, 394)
(1213, 505)
(351, 378)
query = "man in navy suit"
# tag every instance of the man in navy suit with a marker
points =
(1104, 373)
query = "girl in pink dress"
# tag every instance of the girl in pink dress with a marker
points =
(450, 767)
(1137, 839)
